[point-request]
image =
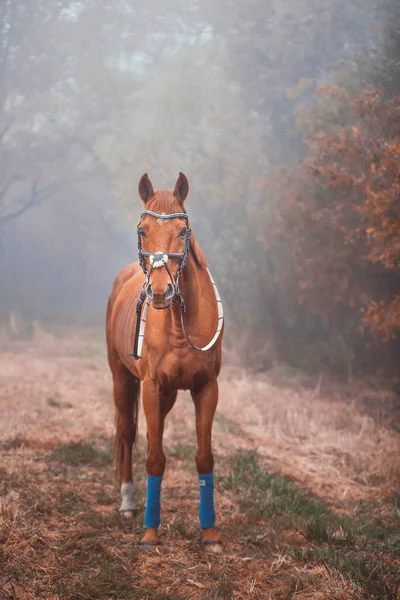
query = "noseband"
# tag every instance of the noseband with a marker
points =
(160, 260)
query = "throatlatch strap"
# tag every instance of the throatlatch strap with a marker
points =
(206, 510)
(152, 515)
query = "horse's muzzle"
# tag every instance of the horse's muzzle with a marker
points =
(160, 301)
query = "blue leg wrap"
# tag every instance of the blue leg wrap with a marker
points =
(153, 506)
(206, 510)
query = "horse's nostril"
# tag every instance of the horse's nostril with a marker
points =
(149, 292)
(170, 291)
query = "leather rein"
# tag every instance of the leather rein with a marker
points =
(160, 260)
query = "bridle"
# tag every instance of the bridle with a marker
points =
(160, 260)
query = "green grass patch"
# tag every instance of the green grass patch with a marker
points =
(77, 454)
(368, 574)
(379, 524)
(359, 546)
(396, 505)
(269, 494)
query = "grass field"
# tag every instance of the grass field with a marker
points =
(307, 492)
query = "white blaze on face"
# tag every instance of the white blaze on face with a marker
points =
(162, 259)
(161, 221)
(127, 497)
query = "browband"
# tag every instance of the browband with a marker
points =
(170, 216)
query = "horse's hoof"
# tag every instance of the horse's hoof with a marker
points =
(127, 514)
(211, 546)
(211, 540)
(150, 539)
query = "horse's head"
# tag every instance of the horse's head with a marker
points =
(163, 242)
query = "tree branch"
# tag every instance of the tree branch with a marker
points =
(6, 186)
(4, 129)
(32, 200)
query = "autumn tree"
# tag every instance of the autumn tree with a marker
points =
(335, 218)
(360, 162)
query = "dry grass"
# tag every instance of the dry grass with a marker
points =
(307, 488)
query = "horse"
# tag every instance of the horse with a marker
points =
(172, 351)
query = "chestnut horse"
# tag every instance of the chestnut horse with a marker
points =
(182, 316)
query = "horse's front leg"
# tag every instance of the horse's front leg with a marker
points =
(205, 399)
(156, 406)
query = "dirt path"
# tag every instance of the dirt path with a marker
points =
(307, 489)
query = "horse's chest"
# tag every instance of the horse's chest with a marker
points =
(179, 369)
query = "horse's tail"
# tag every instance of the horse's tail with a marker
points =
(130, 430)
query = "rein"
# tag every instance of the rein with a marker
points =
(160, 260)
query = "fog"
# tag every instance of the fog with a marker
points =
(95, 93)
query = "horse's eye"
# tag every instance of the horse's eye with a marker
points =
(183, 232)
(141, 232)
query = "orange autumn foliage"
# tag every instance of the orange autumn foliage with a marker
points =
(362, 161)
(339, 213)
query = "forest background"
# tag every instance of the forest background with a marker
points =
(285, 116)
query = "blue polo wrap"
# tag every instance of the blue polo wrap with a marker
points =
(153, 506)
(206, 510)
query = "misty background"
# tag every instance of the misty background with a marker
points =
(267, 107)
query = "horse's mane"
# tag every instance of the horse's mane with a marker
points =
(165, 202)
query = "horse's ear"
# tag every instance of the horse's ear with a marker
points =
(181, 189)
(145, 188)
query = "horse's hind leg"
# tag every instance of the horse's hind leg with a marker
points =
(126, 399)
